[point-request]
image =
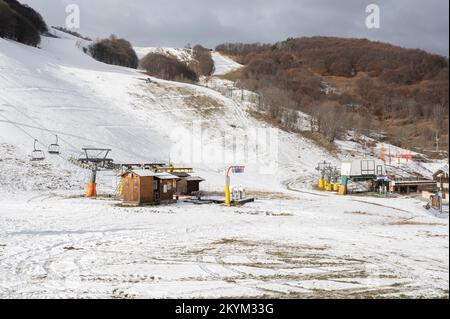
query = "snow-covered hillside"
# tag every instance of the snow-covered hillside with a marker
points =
(60, 90)
(293, 242)
(184, 55)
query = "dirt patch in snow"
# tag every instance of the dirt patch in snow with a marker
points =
(413, 223)
(204, 104)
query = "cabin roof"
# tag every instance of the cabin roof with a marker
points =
(443, 169)
(149, 173)
(195, 179)
(165, 176)
(181, 174)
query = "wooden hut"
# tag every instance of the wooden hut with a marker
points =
(144, 187)
(187, 184)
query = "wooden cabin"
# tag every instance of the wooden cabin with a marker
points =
(187, 184)
(144, 187)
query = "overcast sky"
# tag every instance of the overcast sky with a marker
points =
(409, 23)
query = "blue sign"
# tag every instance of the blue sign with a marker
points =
(238, 170)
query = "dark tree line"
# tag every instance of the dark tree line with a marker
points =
(114, 51)
(30, 14)
(71, 32)
(21, 23)
(167, 67)
(242, 51)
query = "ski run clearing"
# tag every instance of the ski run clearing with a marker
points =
(292, 242)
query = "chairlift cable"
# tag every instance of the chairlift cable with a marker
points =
(39, 124)
(28, 134)
(42, 128)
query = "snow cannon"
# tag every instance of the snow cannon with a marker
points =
(322, 183)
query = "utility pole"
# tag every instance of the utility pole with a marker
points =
(437, 141)
(92, 185)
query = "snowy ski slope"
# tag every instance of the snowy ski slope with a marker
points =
(296, 243)
(60, 90)
(224, 64)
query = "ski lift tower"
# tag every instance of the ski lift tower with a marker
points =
(323, 168)
(95, 159)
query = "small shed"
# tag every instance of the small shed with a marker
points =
(187, 184)
(144, 187)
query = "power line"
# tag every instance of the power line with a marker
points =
(40, 125)
(28, 134)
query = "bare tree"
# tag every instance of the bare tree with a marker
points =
(439, 113)
(205, 62)
(168, 68)
(115, 51)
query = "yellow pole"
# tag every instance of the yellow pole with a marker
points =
(227, 195)
(322, 183)
(121, 187)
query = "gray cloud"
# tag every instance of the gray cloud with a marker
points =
(409, 23)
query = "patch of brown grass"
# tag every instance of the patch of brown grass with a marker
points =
(266, 118)
(320, 140)
(269, 195)
(204, 104)
(232, 76)
(413, 223)
(345, 84)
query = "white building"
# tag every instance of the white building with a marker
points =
(363, 168)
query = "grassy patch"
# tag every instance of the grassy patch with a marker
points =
(266, 118)
(203, 104)
(413, 223)
(320, 140)
(232, 76)
(269, 195)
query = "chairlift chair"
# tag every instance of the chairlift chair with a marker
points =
(54, 148)
(37, 155)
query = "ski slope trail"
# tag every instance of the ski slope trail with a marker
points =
(224, 64)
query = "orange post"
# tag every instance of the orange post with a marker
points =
(92, 185)
(91, 190)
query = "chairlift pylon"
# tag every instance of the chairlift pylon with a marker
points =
(37, 154)
(54, 148)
